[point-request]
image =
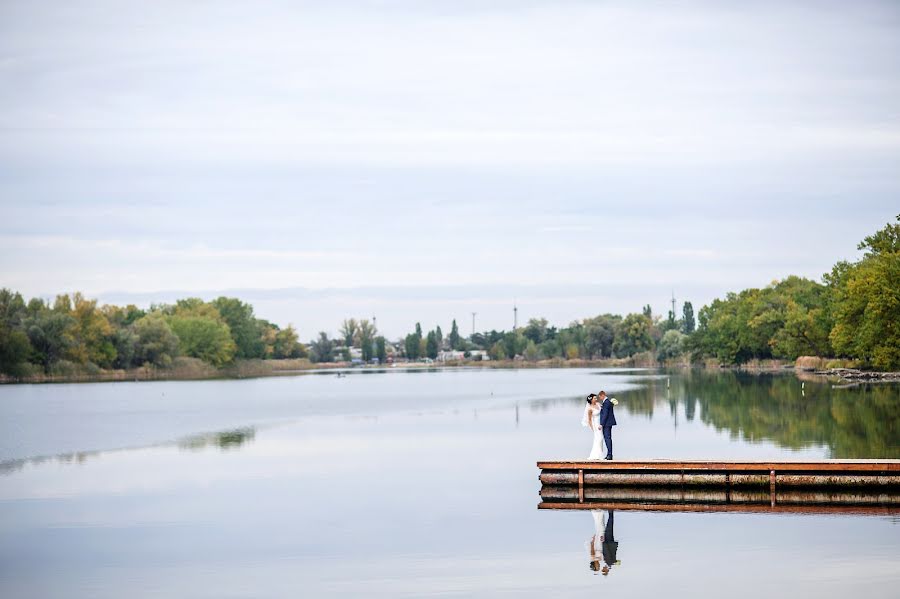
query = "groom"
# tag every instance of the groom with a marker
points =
(607, 421)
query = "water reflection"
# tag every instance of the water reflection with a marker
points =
(603, 545)
(708, 500)
(858, 421)
(224, 440)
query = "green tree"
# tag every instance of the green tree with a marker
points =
(156, 343)
(867, 301)
(367, 332)
(688, 324)
(204, 338)
(246, 331)
(50, 335)
(15, 349)
(350, 332)
(633, 335)
(453, 338)
(411, 346)
(600, 334)
(13, 310)
(381, 349)
(91, 334)
(514, 344)
(125, 341)
(287, 344)
(536, 330)
(671, 345)
(322, 349)
(431, 345)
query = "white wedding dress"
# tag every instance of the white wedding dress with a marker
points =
(598, 448)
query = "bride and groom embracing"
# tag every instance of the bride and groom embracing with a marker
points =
(600, 417)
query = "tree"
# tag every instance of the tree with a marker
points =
(536, 330)
(204, 338)
(633, 335)
(497, 351)
(12, 309)
(648, 312)
(440, 336)
(366, 333)
(156, 343)
(126, 341)
(431, 345)
(92, 334)
(671, 345)
(411, 346)
(599, 335)
(688, 324)
(287, 344)
(453, 337)
(322, 349)
(514, 344)
(670, 324)
(349, 331)
(50, 335)
(531, 351)
(15, 348)
(866, 301)
(381, 350)
(246, 331)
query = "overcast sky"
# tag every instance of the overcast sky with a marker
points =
(425, 160)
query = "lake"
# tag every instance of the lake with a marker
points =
(395, 483)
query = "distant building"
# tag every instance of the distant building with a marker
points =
(450, 356)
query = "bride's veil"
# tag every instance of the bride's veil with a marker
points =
(584, 417)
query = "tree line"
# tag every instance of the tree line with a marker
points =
(73, 333)
(853, 313)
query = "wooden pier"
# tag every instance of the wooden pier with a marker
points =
(871, 486)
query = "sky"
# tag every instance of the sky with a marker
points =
(421, 161)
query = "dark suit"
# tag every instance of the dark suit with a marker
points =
(607, 421)
(610, 546)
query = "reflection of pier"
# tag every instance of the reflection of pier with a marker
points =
(718, 500)
(844, 486)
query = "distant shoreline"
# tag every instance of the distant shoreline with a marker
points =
(192, 369)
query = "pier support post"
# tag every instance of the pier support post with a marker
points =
(772, 486)
(580, 485)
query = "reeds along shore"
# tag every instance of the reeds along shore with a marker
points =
(184, 368)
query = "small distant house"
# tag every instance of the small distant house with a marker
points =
(450, 356)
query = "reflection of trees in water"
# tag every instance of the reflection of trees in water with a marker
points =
(858, 422)
(223, 440)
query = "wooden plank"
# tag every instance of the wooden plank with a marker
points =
(778, 508)
(727, 466)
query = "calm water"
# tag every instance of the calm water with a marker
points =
(394, 484)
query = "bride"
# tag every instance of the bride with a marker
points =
(591, 419)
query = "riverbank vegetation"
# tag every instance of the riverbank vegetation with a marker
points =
(74, 337)
(850, 318)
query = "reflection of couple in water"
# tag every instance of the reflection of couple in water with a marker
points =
(603, 544)
(600, 417)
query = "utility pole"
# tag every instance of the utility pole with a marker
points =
(473, 323)
(515, 316)
(674, 317)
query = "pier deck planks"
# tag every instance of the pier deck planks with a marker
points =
(812, 466)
